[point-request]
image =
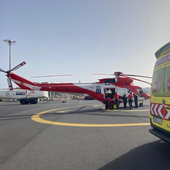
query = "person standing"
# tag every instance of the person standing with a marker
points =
(116, 98)
(130, 99)
(136, 100)
(107, 101)
(124, 100)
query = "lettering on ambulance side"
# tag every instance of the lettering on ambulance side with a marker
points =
(163, 60)
(157, 83)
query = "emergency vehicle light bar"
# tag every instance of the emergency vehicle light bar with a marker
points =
(162, 49)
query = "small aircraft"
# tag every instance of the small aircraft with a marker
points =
(121, 83)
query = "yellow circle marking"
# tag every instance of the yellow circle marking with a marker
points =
(37, 118)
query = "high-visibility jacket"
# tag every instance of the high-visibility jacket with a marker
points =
(130, 96)
(116, 96)
(108, 99)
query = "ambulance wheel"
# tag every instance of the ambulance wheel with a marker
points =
(140, 104)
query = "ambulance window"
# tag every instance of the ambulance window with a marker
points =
(158, 83)
(167, 82)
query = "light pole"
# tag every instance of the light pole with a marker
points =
(10, 42)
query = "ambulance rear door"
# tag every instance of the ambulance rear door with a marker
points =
(160, 98)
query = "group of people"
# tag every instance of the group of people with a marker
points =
(130, 97)
(110, 102)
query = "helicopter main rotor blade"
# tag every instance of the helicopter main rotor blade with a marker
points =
(137, 76)
(141, 81)
(52, 75)
(94, 74)
(18, 66)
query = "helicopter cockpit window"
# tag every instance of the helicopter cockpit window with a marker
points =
(140, 92)
(110, 81)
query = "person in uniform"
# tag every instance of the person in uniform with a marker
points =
(116, 97)
(124, 100)
(107, 101)
(136, 100)
(130, 99)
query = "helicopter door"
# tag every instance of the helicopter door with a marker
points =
(109, 92)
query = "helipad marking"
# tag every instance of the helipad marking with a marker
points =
(37, 118)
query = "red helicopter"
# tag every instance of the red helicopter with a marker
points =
(121, 84)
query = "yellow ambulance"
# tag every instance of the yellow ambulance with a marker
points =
(160, 95)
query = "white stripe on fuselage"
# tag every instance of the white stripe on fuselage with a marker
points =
(92, 86)
(27, 85)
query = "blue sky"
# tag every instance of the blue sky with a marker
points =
(82, 36)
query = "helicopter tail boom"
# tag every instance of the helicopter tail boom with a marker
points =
(23, 83)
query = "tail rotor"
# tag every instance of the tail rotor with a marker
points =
(9, 73)
(2, 70)
(9, 83)
(18, 66)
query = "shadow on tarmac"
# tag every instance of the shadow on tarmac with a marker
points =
(95, 112)
(101, 112)
(17, 103)
(153, 155)
(13, 117)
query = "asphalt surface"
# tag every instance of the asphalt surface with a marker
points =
(66, 137)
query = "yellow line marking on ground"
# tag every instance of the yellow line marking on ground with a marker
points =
(37, 118)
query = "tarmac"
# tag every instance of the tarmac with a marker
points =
(78, 135)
